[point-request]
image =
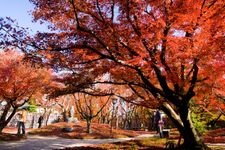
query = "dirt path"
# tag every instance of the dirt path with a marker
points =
(48, 143)
(35, 142)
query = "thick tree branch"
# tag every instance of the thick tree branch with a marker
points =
(190, 93)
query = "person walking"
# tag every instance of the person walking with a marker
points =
(22, 118)
(157, 117)
(40, 120)
(160, 127)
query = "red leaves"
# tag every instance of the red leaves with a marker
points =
(20, 80)
(120, 36)
(215, 136)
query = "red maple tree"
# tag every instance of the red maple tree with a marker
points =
(20, 81)
(163, 50)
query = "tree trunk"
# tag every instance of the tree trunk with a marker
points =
(65, 117)
(32, 121)
(2, 126)
(48, 116)
(88, 125)
(185, 126)
(3, 123)
(5, 112)
(189, 133)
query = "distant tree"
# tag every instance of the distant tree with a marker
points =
(65, 103)
(89, 107)
(19, 82)
(104, 116)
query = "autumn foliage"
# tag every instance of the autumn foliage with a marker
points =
(20, 81)
(165, 51)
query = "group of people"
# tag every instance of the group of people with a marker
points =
(21, 120)
(158, 122)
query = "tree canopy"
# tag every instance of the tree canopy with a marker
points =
(20, 82)
(165, 51)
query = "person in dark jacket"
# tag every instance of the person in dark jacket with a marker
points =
(40, 120)
(157, 117)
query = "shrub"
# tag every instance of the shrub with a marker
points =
(199, 124)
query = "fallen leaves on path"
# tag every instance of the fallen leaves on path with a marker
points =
(99, 131)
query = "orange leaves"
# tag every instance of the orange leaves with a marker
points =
(20, 80)
(117, 37)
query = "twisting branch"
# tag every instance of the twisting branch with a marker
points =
(99, 10)
(100, 110)
(78, 105)
(162, 80)
(75, 13)
(112, 10)
(168, 93)
(154, 90)
(136, 92)
(135, 28)
(193, 81)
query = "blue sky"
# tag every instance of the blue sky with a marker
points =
(20, 10)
